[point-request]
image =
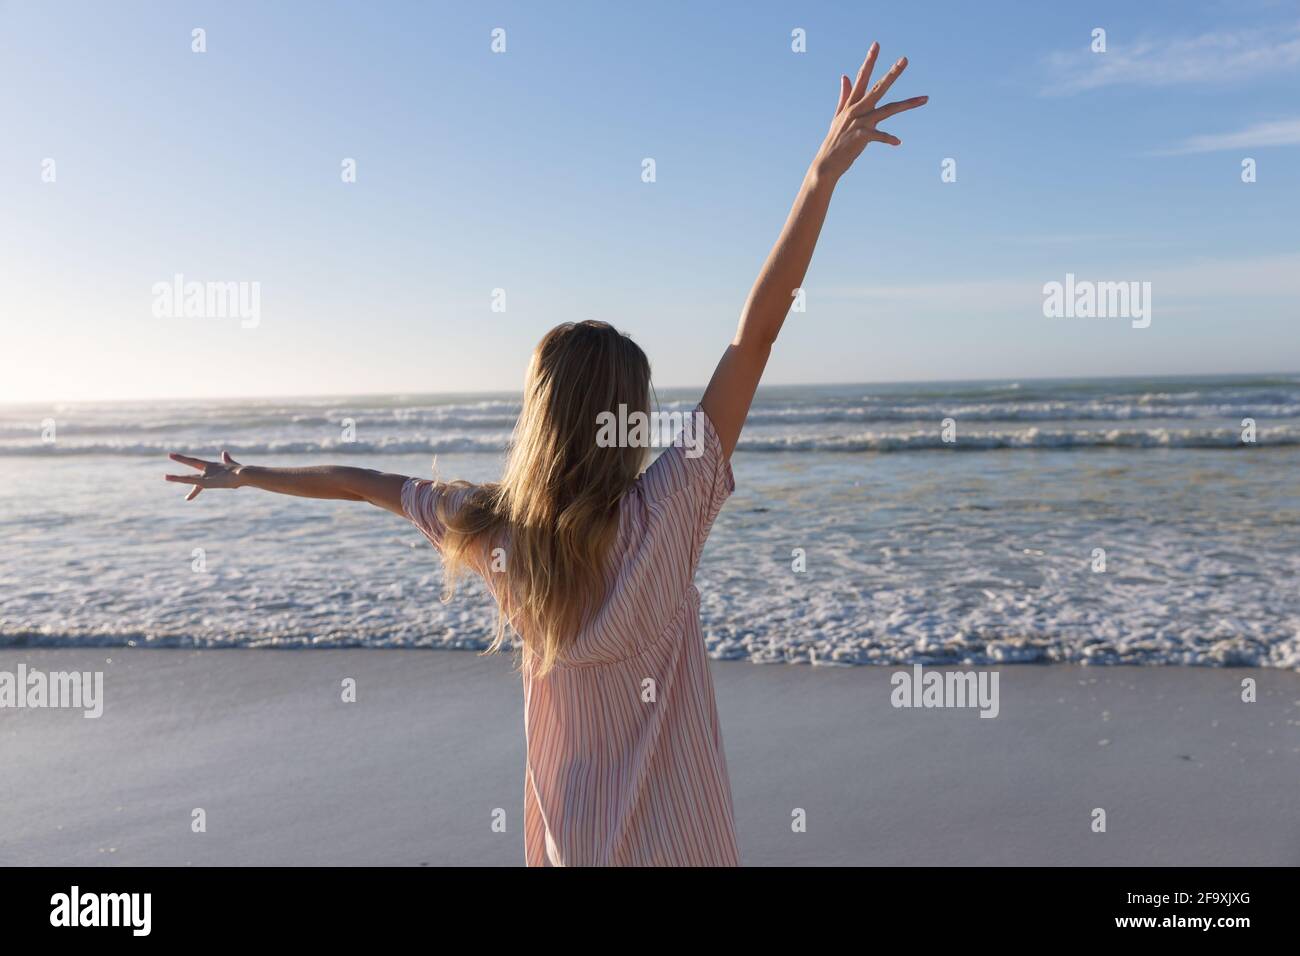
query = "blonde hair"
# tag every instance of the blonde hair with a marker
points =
(555, 509)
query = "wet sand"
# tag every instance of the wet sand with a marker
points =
(413, 771)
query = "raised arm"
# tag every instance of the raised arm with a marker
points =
(321, 481)
(731, 390)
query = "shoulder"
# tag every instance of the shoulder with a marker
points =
(693, 465)
(430, 503)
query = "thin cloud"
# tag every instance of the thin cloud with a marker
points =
(1215, 58)
(1277, 133)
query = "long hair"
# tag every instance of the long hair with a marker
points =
(555, 509)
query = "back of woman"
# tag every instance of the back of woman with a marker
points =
(625, 759)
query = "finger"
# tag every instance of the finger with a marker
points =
(864, 74)
(882, 86)
(866, 135)
(184, 479)
(845, 89)
(226, 459)
(194, 493)
(187, 460)
(901, 106)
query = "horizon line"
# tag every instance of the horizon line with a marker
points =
(1010, 379)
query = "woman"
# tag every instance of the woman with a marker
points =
(591, 561)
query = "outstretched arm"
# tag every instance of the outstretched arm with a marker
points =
(321, 481)
(731, 390)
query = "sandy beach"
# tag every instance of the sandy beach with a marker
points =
(413, 771)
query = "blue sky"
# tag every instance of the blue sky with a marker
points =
(522, 171)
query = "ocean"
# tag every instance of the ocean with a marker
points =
(1100, 521)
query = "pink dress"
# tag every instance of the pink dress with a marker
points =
(625, 758)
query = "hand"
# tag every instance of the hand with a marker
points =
(856, 117)
(224, 474)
